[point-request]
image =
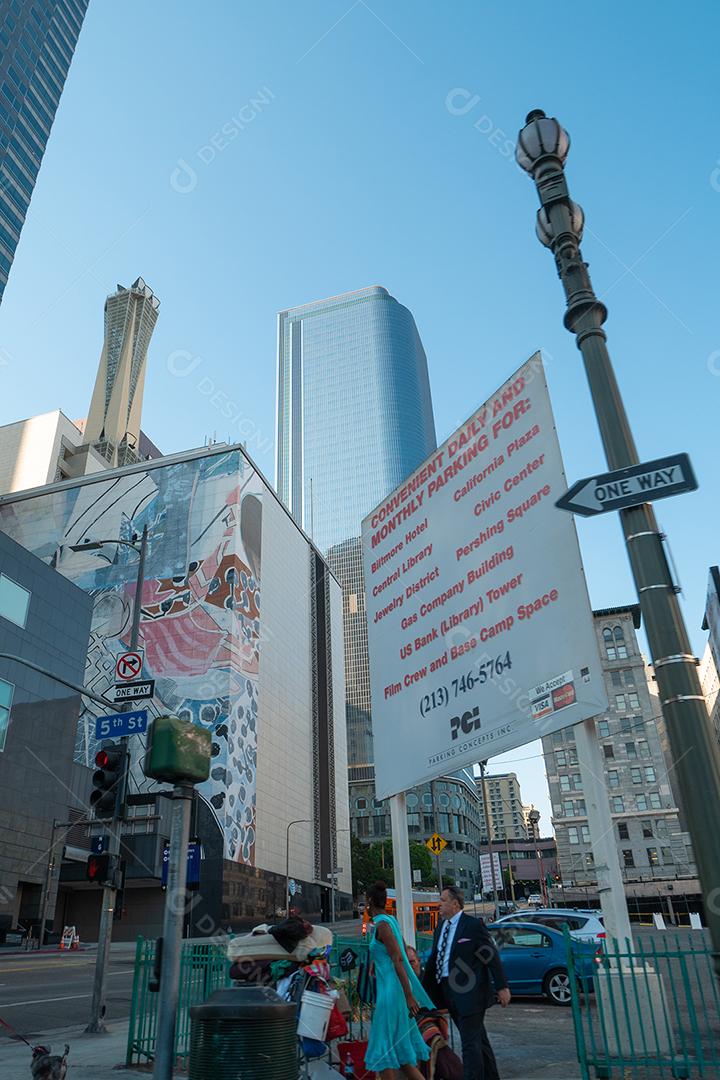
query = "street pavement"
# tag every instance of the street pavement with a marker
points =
(45, 991)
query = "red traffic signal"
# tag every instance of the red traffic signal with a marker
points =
(108, 780)
(97, 869)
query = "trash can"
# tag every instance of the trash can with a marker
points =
(246, 1031)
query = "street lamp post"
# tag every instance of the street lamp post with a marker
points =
(541, 150)
(109, 894)
(490, 833)
(298, 821)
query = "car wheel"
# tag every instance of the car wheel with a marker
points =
(557, 987)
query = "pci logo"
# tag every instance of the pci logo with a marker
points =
(467, 723)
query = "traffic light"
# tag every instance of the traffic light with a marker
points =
(105, 869)
(97, 869)
(108, 780)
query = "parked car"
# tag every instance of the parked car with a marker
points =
(504, 907)
(535, 960)
(583, 924)
(535, 899)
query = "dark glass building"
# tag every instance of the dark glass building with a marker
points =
(37, 42)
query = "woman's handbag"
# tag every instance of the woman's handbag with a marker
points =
(366, 986)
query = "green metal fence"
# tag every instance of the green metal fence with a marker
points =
(203, 969)
(649, 1012)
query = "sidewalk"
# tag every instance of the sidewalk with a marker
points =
(93, 1056)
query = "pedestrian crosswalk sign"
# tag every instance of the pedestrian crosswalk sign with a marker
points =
(436, 843)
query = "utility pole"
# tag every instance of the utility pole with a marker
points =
(541, 151)
(298, 821)
(109, 892)
(175, 899)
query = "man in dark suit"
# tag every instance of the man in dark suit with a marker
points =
(458, 978)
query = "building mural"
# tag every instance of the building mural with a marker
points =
(200, 625)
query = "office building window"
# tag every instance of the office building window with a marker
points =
(618, 804)
(655, 801)
(603, 729)
(585, 833)
(631, 750)
(652, 856)
(628, 859)
(626, 725)
(641, 802)
(361, 804)
(650, 774)
(633, 699)
(608, 750)
(573, 835)
(667, 856)
(6, 696)
(643, 748)
(613, 778)
(560, 759)
(636, 776)
(569, 808)
(565, 784)
(647, 829)
(589, 860)
(623, 832)
(14, 601)
(620, 702)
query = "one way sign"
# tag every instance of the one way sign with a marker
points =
(630, 487)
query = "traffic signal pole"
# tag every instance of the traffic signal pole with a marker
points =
(109, 893)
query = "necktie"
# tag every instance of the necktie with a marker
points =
(442, 947)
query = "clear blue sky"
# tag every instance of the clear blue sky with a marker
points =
(355, 172)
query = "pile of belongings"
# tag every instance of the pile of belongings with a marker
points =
(291, 956)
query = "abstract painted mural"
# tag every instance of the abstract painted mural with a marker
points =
(200, 622)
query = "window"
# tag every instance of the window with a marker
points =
(361, 804)
(573, 835)
(618, 804)
(589, 860)
(569, 808)
(585, 833)
(428, 823)
(14, 601)
(652, 856)
(636, 776)
(631, 750)
(633, 699)
(608, 750)
(641, 802)
(6, 695)
(629, 676)
(617, 679)
(427, 799)
(626, 725)
(620, 643)
(655, 800)
(650, 774)
(628, 858)
(525, 939)
(560, 759)
(565, 784)
(620, 702)
(613, 778)
(623, 832)
(667, 856)
(610, 650)
(576, 781)
(643, 747)
(603, 729)
(647, 828)
(411, 800)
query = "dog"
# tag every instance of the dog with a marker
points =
(47, 1066)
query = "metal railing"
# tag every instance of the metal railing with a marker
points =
(203, 968)
(653, 1008)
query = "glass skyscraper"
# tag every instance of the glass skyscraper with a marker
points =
(354, 419)
(354, 409)
(37, 42)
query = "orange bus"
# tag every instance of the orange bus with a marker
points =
(426, 910)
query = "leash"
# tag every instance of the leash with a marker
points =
(17, 1033)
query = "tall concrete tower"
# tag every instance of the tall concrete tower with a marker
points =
(113, 423)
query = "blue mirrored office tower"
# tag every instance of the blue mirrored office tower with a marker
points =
(37, 42)
(354, 420)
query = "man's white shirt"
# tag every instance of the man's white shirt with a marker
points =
(445, 973)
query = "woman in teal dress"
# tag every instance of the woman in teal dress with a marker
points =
(395, 1041)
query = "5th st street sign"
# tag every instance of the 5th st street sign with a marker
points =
(630, 487)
